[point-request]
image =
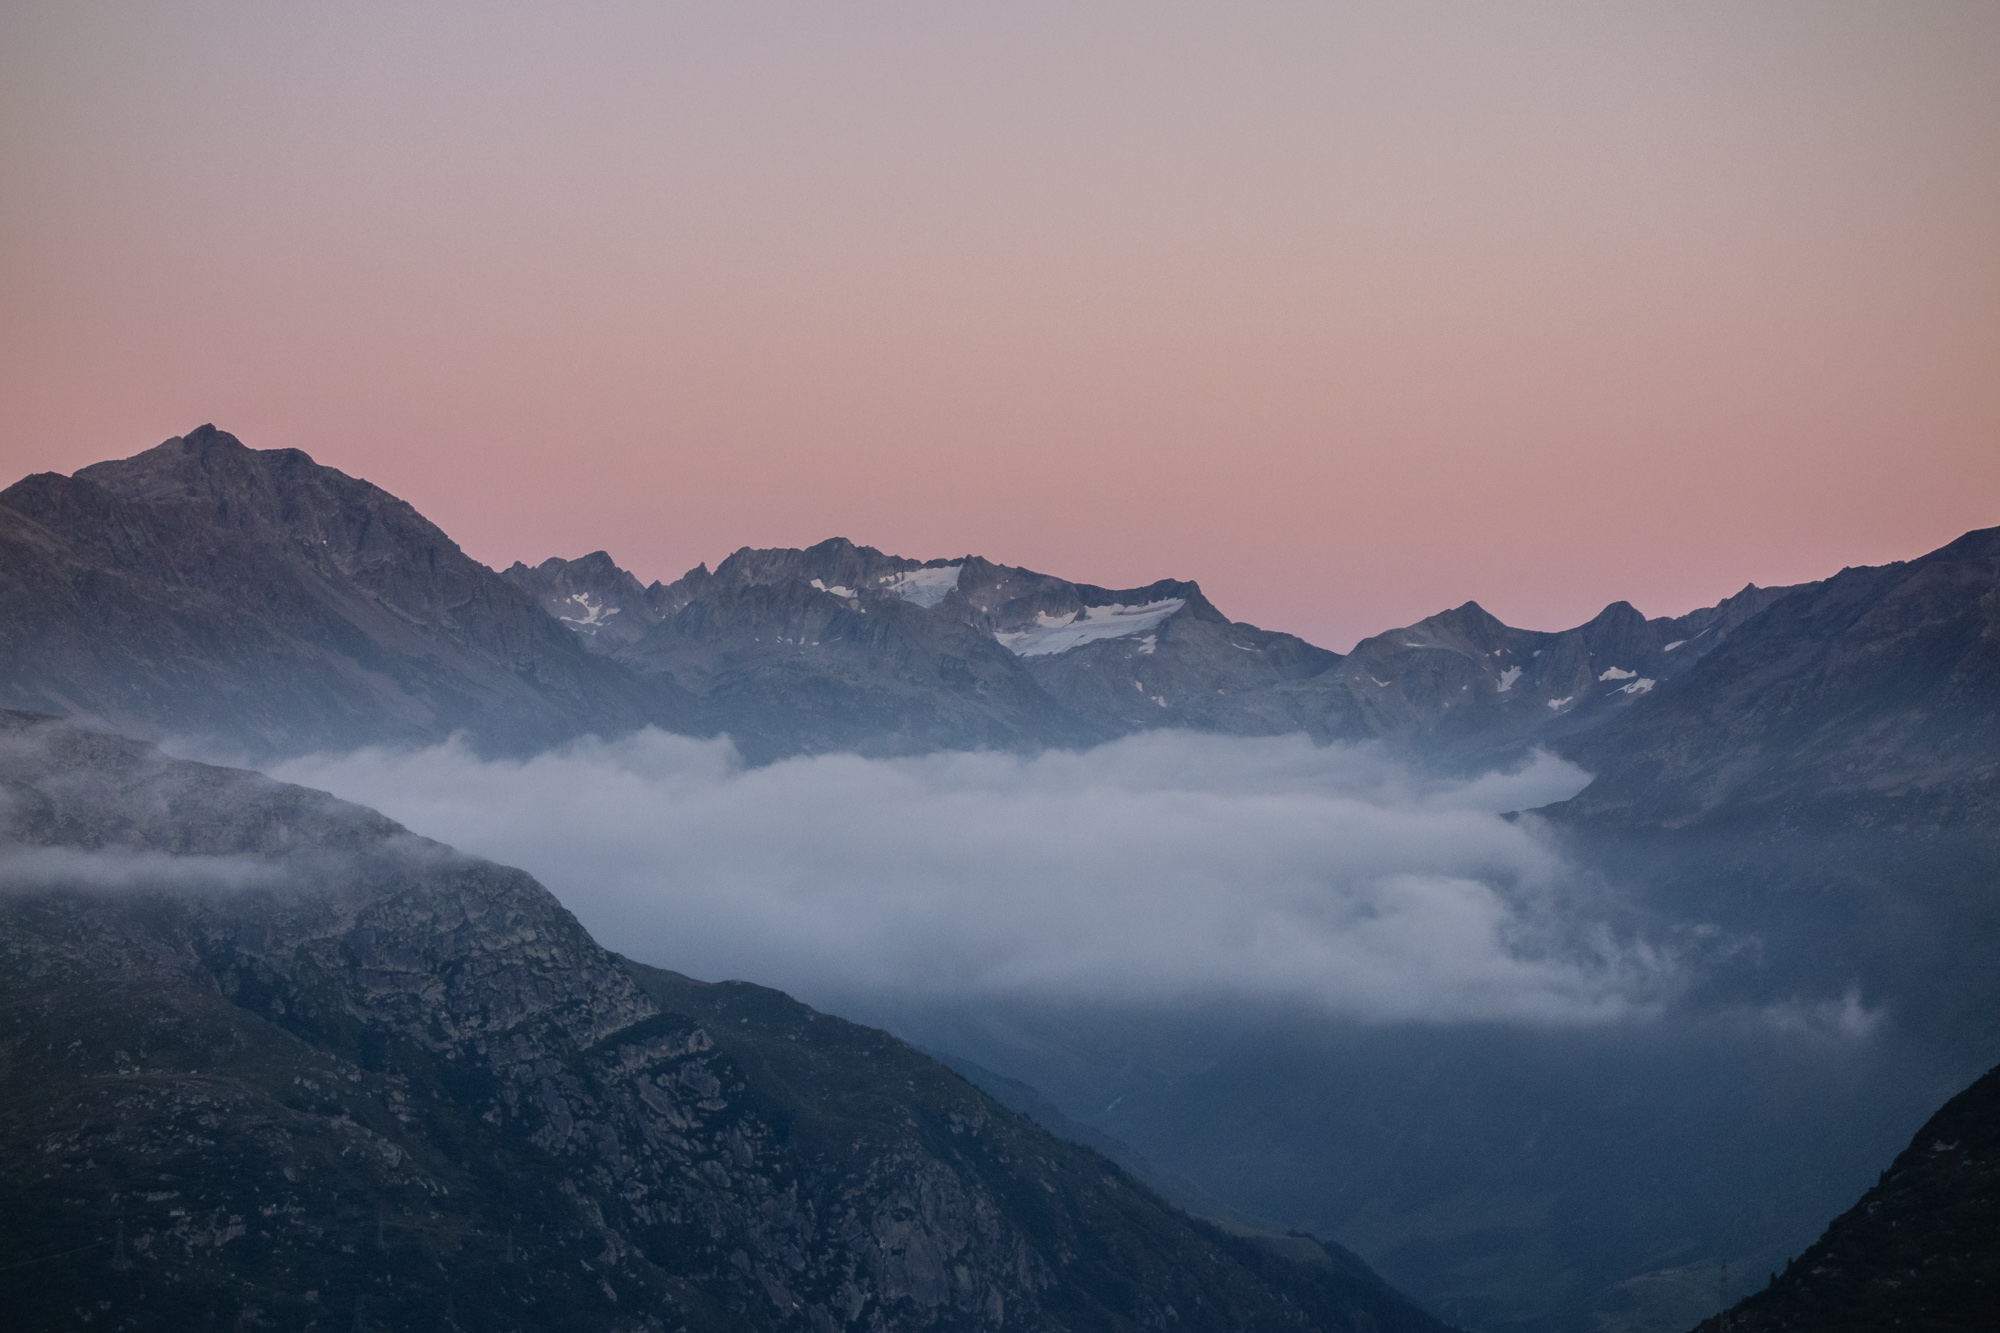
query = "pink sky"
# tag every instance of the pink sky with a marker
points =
(1350, 312)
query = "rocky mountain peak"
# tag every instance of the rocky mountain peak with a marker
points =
(299, 607)
(1617, 615)
(601, 603)
(834, 563)
(1469, 624)
(279, 495)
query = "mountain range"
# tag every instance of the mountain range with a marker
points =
(1812, 772)
(257, 598)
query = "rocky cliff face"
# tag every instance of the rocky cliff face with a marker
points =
(257, 598)
(269, 1059)
(603, 605)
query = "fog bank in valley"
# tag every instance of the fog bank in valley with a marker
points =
(1165, 867)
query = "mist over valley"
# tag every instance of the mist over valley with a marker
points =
(1513, 978)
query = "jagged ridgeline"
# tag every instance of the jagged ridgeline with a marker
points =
(269, 1060)
(257, 598)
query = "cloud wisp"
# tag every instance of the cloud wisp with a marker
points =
(1169, 867)
(27, 869)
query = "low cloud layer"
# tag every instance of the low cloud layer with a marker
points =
(37, 869)
(1165, 868)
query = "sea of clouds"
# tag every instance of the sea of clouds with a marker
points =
(1168, 867)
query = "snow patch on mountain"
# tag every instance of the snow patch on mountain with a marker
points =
(925, 587)
(1508, 677)
(1639, 686)
(1617, 673)
(835, 589)
(1058, 634)
(595, 613)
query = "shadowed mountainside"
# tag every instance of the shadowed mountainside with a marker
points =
(1920, 1250)
(1868, 699)
(269, 1058)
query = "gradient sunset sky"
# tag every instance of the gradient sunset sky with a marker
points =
(1351, 312)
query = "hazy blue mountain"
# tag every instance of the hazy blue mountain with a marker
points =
(1462, 683)
(779, 646)
(271, 1060)
(1866, 700)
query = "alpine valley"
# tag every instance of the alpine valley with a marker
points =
(269, 1059)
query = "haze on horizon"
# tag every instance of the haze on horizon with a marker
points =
(1351, 312)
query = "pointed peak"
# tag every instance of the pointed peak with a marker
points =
(1465, 617)
(206, 439)
(1616, 613)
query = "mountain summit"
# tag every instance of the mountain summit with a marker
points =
(255, 597)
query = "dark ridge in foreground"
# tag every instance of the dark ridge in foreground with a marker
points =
(268, 1060)
(1922, 1248)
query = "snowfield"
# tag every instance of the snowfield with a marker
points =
(1058, 634)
